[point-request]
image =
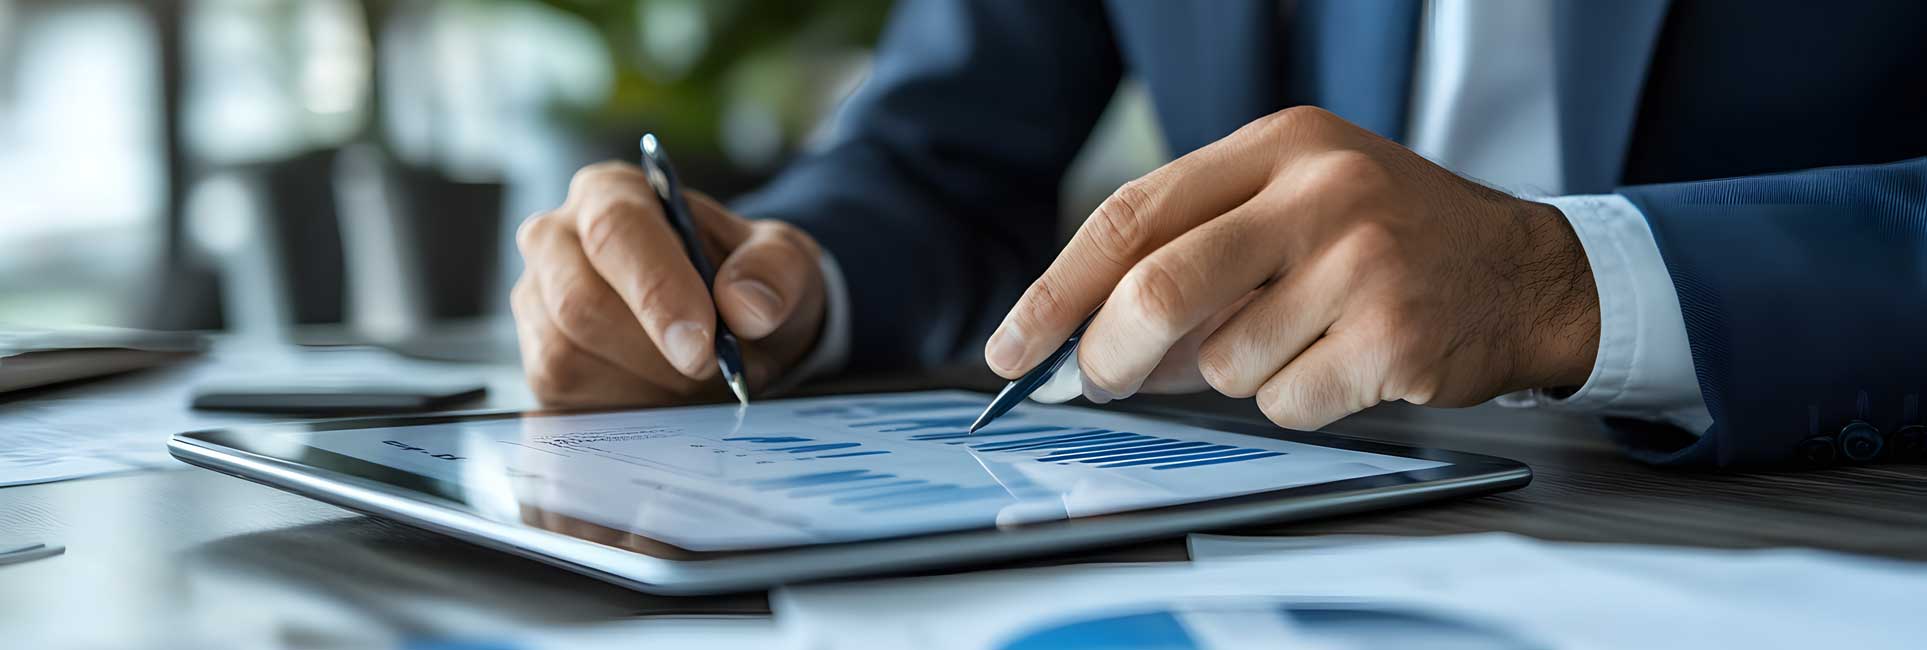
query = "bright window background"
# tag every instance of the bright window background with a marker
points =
(503, 98)
(81, 177)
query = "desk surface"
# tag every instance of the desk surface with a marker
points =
(149, 551)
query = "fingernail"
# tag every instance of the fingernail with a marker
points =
(1006, 349)
(684, 345)
(761, 300)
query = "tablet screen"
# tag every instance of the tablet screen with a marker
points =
(836, 469)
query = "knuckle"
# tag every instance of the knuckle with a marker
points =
(532, 230)
(1119, 227)
(520, 290)
(1345, 169)
(789, 233)
(652, 290)
(576, 310)
(1044, 302)
(1304, 113)
(519, 297)
(1408, 358)
(1297, 117)
(1154, 290)
(603, 225)
(1372, 245)
(595, 175)
(1422, 390)
(792, 236)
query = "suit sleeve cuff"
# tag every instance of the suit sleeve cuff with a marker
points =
(1644, 368)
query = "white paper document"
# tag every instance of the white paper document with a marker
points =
(123, 424)
(841, 468)
(1476, 591)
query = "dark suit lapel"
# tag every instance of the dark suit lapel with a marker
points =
(1602, 48)
(1354, 58)
(1214, 65)
(1210, 66)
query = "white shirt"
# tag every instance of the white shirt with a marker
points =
(1484, 106)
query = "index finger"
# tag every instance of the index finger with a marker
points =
(1140, 217)
(627, 239)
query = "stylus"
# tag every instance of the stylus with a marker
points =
(662, 177)
(1015, 392)
(29, 553)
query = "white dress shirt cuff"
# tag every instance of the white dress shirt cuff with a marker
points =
(1644, 368)
(832, 350)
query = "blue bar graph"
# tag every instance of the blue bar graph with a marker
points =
(841, 489)
(855, 453)
(833, 446)
(986, 433)
(1111, 449)
(1010, 444)
(1216, 461)
(1181, 456)
(1108, 451)
(1180, 452)
(1146, 441)
(1092, 440)
(808, 449)
(818, 478)
(958, 495)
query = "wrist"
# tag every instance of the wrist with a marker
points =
(1559, 325)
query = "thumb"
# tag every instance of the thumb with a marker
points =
(764, 281)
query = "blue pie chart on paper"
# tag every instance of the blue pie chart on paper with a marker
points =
(1320, 625)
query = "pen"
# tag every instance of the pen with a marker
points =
(662, 178)
(29, 553)
(1015, 392)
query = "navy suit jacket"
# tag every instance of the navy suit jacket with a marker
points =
(1778, 148)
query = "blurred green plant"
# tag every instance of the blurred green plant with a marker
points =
(678, 63)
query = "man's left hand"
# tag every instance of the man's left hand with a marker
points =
(1319, 267)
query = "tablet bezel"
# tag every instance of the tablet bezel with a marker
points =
(652, 565)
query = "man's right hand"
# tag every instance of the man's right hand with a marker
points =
(609, 310)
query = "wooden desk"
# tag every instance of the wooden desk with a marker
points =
(190, 551)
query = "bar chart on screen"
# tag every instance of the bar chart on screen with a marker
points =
(951, 469)
(837, 468)
(876, 491)
(1102, 448)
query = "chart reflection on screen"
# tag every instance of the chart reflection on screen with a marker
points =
(845, 468)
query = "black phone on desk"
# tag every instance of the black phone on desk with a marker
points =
(337, 395)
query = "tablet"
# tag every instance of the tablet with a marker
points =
(721, 498)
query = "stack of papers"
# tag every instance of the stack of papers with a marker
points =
(1476, 591)
(124, 425)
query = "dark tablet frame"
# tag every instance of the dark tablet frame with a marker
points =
(235, 451)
